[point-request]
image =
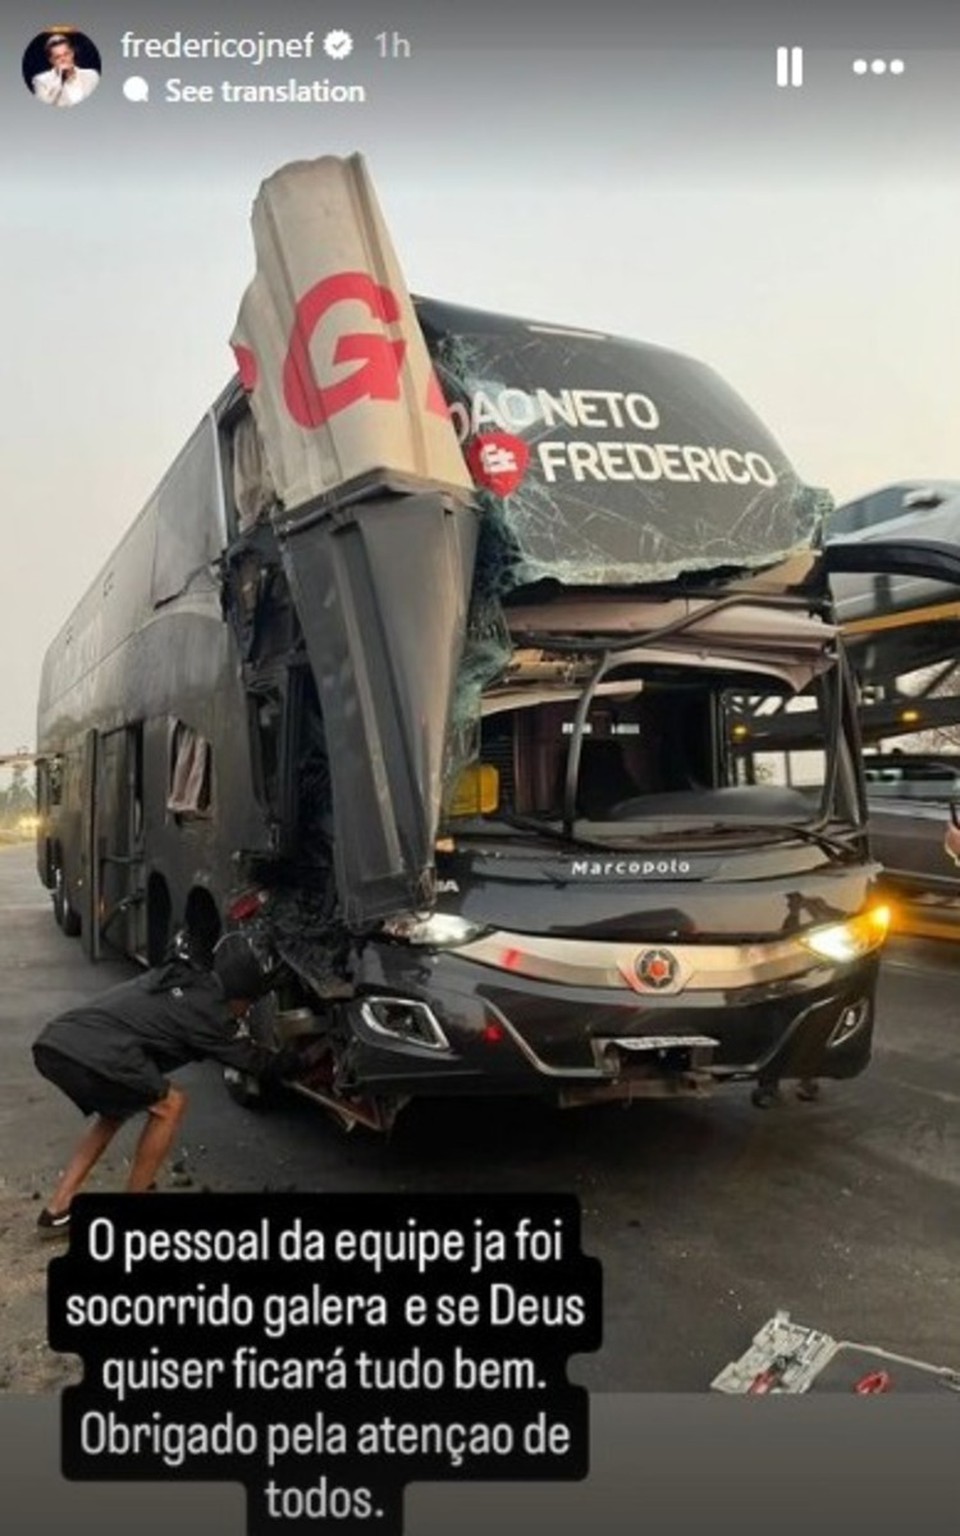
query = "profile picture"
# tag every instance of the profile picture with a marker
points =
(61, 67)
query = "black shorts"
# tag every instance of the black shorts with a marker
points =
(92, 1093)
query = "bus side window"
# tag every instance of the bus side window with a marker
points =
(48, 787)
(191, 772)
(53, 768)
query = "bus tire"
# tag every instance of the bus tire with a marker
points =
(68, 918)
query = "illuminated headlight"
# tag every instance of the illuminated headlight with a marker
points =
(444, 930)
(849, 941)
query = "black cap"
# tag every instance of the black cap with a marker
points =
(236, 965)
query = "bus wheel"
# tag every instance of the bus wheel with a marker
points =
(68, 918)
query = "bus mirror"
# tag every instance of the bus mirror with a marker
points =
(477, 791)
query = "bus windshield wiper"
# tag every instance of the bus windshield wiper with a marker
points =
(555, 834)
(778, 829)
(813, 834)
(625, 835)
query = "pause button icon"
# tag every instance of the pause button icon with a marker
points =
(789, 66)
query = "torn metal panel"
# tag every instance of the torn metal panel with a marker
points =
(328, 347)
(350, 415)
(611, 462)
(381, 586)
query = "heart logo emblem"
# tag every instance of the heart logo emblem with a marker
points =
(498, 461)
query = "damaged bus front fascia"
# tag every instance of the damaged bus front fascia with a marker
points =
(540, 970)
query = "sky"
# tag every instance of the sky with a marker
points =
(636, 171)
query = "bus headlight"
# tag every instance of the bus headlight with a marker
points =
(442, 930)
(841, 942)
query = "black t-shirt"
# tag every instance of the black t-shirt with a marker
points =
(154, 1024)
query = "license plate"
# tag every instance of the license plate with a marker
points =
(663, 1042)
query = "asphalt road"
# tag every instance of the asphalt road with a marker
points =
(708, 1217)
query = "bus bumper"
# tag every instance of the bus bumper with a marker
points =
(441, 1024)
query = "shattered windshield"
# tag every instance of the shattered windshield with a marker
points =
(610, 461)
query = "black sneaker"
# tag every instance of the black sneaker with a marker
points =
(49, 1225)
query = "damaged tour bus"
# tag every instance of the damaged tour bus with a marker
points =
(440, 659)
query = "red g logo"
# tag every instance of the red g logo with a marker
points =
(380, 358)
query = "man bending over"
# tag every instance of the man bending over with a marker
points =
(111, 1056)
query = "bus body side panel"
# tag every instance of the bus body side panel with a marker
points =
(135, 658)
